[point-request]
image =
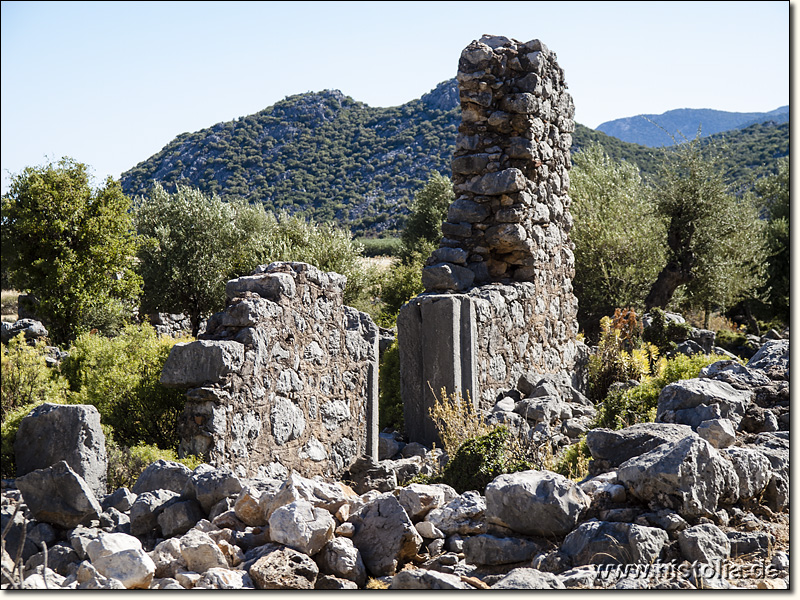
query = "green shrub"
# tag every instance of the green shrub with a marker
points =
(26, 378)
(380, 246)
(665, 335)
(621, 356)
(574, 462)
(401, 284)
(120, 377)
(390, 404)
(126, 463)
(480, 459)
(638, 404)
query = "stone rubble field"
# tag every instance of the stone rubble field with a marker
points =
(706, 485)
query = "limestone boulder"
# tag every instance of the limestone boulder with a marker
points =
(735, 374)
(720, 433)
(753, 469)
(70, 432)
(340, 558)
(209, 487)
(617, 446)
(132, 567)
(419, 499)
(385, 535)
(486, 549)
(58, 495)
(600, 542)
(689, 476)
(692, 401)
(705, 543)
(301, 526)
(162, 475)
(421, 579)
(443, 277)
(146, 509)
(179, 517)
(282, 568)
(463, 515)
(773, 354)
(201, 552)
(217, 578)
(528, 579)
(535, 503)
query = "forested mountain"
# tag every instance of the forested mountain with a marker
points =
(333, 158)
(678, 125)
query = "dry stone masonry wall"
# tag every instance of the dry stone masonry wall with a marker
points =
(285, 378)
(499, 300)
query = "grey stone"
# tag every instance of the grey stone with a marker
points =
(339, 557)
(282, 568)
(579, 577)
(146, 509)
(202, 362)
(421, 579)
(217, 578)
(167, 558)
(209, 487)
(368, 474)
(58, 495)
(419, 499)
(599, 542)
(680, 402)
(329, 582)
(132, 567)
(466, 211)
(463, 515)
(750, 542)
(689, 476)
(122, 499)
(32, 329)
(704, 543)
(528, 579)
(162, 475)
(735, 374)
(387, 446)
(535, 503)
(457, 256)
(720, 433)
(507, 237)
(70, 432)
(201, 552)
(384, 535)
(488, 549)
(272, 286)
(447, 276)
(506, 181)
(772, 354)
(178, 518)
(301, 526)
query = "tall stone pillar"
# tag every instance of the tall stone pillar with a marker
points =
(505, 251)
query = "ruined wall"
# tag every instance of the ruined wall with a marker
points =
(499, 298)
(284, 378)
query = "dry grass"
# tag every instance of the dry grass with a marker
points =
(456, 420)
(9, 300)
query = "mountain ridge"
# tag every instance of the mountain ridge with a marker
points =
(333, 158)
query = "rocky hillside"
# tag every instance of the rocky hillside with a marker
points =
(333, 158)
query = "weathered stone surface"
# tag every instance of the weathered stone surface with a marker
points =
(735, 374)
(419, 499)
(773, 354)
(384, 535)
(420, 579)
(528, 579)
(146, 509)
(132, 567)
(167, 558)
(720, 433)
(122, 499)
(443, 277)
(693, 401)
(488, 549)
(750, 542)
(224, 579)
(201, 552)
(209, 487)
(599, 542)
(58, 495)
(339, 557)
(283, 568)
(689, 476)
(301, 526)
(201, 362)
(162, 475)
(464, 515)
(368, 474)
(301, 393)
(753, 469)
(180, 517)
(704, 543)
(70, 432)
(617, 446)
(535, 503)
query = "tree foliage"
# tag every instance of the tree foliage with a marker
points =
(619, 239)
(195, 242)
(72, 247)
(715, 243)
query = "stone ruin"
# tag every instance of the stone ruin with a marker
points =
(285, 378)
(498, 301)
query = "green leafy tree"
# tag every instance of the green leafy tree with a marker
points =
(423, 229)
(773, 193)
(618, 237)
(714, 239)
(72, 247)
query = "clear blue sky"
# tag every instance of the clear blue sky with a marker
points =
(111, 83)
